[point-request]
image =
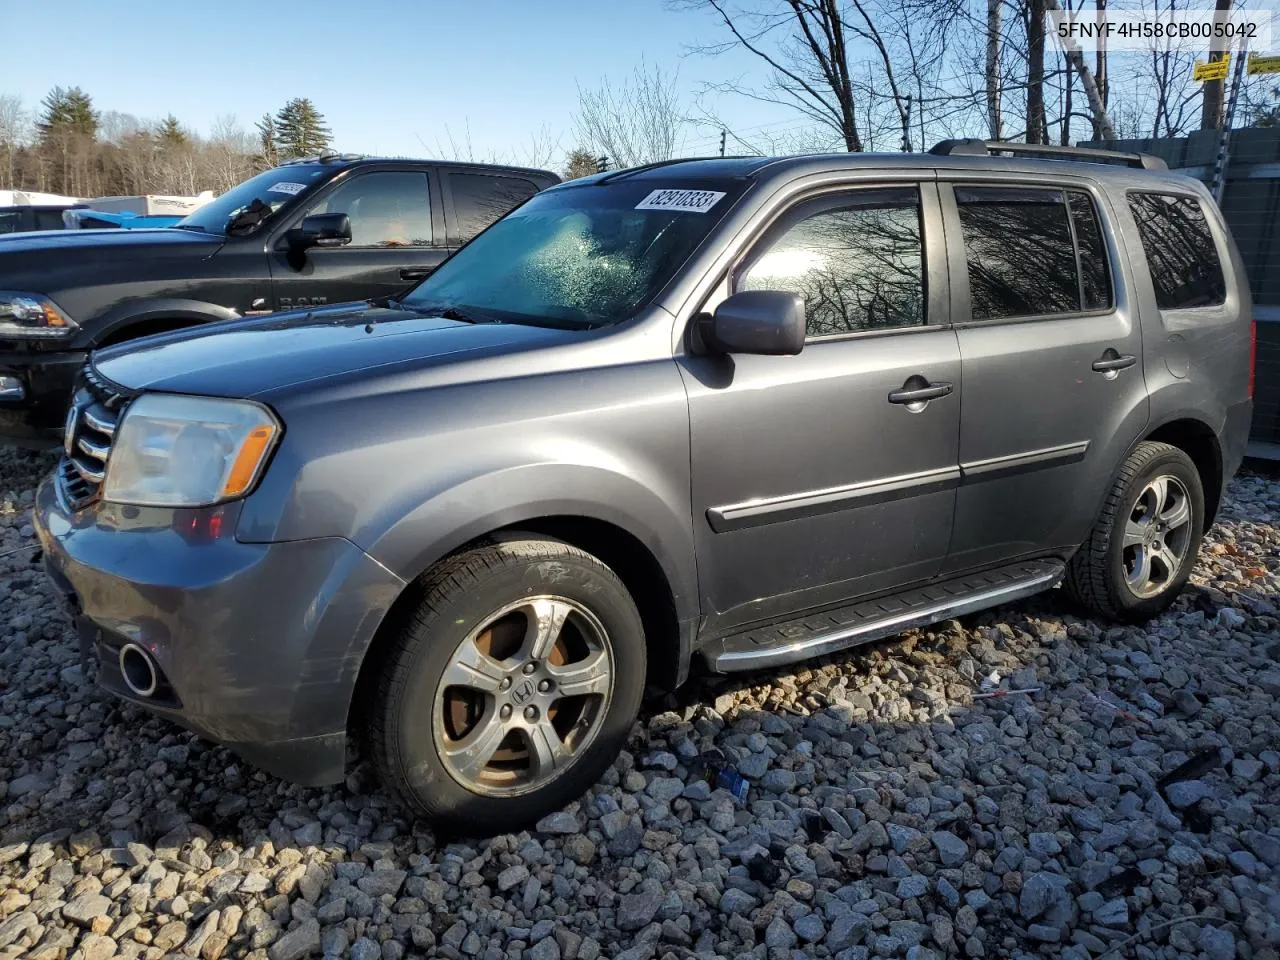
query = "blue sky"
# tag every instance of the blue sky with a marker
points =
(391, 76)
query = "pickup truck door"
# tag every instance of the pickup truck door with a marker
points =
(397, 239)
(817, 478)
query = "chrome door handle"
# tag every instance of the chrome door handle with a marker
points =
(933, 391)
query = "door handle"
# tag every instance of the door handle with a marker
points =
(1111, 364)
(415, 273)
(932, 391)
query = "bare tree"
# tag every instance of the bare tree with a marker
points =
(1072, 51)
(1211, 109)
(991, 71)
(1037, 124)
(637, 121)
(15, 132)
(229, 155)
(804, 43)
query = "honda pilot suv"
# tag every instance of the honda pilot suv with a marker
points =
(731, 412)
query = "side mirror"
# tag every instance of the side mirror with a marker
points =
(321, 230)
(768, 322)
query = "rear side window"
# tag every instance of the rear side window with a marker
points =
(479, 200)
(1095, 275)
(1185, 269)
(10, 221)
(1017, 243)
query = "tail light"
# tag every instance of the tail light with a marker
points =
(1253, 354)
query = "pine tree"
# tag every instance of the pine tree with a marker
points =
(268, 142)
(579, 163)
(67, 112)
(170, 132)
(301, 130)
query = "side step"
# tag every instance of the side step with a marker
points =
(821, 633)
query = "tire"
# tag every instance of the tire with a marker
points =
(1105, 574)
(484, 607)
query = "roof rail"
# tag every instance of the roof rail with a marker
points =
(329, 156)
(974, 147)
(629, 171)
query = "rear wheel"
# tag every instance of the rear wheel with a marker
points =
(1145, 543)
(512, 687)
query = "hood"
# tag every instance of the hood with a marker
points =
(43, 241)
(250, 358)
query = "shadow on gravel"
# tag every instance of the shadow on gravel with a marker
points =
(896, 801)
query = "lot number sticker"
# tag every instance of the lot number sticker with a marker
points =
(686, 201)
(286, 187)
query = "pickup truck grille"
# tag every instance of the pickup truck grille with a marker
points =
(90, 430)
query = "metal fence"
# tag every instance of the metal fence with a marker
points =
(1251, 205)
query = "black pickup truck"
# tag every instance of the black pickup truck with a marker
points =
(325, 230)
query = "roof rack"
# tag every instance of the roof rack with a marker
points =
(974, 147)
(329, 156)
(629, 171)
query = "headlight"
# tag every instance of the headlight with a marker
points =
(32, 315)
(177, 451)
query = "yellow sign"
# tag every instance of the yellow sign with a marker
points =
(1213, 70)
(1259, 64)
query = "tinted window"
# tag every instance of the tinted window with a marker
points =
(480, 200)
(1185, 269)
(577, 257)
(859, 265)
(387, 209)
(10, 221)
(49, 220)
(1018, 246)
(1095, 272)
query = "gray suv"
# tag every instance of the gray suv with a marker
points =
(734, 411)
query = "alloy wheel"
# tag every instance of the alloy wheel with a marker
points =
(523, 696)
(1157, 534)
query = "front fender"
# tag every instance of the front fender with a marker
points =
(481, 504)
(130, 312)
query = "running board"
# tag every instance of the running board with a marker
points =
(821, 633)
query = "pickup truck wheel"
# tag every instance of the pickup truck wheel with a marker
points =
(511, 688)
(1144, 544)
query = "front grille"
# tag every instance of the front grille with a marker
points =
(90, 429)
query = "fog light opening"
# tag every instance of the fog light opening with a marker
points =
(138, 670)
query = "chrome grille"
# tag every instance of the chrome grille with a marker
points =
(90, 429)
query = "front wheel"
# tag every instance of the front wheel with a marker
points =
(511, 688)
(1143, 546)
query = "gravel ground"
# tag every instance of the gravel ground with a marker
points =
(1128, 806)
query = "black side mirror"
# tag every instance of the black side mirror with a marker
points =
(321, 230)
(768, 322)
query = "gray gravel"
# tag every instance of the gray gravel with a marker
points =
(891, 813)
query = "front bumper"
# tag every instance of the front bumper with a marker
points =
(259, 644)
(45, 380)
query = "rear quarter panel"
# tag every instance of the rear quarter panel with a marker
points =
(1196, 361)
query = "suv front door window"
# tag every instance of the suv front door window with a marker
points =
(830, 474)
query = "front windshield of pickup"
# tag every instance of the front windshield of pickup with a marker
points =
(246, 206)
(579, 257)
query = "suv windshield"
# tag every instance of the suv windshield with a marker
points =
(243, 208)
(581, 257)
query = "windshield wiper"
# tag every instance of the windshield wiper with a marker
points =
(455, 313)
(189, 226)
